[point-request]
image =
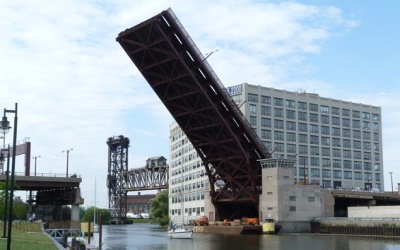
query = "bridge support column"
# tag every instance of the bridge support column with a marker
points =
(75, 210)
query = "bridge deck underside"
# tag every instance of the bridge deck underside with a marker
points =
(178, 73)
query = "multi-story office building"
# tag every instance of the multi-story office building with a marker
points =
(335, 143)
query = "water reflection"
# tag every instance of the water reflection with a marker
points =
(152, 237)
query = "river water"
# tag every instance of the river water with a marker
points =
(152, 237)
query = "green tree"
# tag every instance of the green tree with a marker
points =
(89, 214)
(159, 208)
(20, 210)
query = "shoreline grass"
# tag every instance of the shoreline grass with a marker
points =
(27, 236)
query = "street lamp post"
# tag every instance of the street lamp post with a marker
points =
(391, 180)
(35, 157)
(5, 125)
(6, 196)
(67, 157)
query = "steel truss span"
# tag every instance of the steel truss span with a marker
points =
(147, 178)
(183, 80)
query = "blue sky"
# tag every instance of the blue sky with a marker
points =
(76, 87)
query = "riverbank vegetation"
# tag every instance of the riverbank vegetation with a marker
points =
(159, 208)
(27, 236)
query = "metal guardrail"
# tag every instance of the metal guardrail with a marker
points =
(59, 175)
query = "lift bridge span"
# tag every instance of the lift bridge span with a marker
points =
(183, 80)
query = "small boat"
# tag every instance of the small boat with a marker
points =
(180, 233)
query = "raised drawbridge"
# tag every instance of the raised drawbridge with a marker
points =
(183, 80)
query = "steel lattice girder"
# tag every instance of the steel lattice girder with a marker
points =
(147, 178)
(178, 73)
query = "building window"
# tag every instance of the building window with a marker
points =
(303, 138)
(314, 128)
(314, 139)
(303, 127)
(253, 121)
(336, 152)
(356, 114)
(366, 145)
(366, 116)
(345, 112)
(252, 97)
(357, 165)
(265, 99)
(278, 124)
(357, 134)
(278, 135)
(302, 105)
(326, 183)
(325, 141)
(345, 122)
(292, 198)
(311, 199)
(346, 132)
(314, 151)
(291, 137)
(357, 176)
(336, 131)
(324, 109)
(356, 124)
(357, 144)
(366, 125)
(303, 149)
(375, 117)
(291, 148)
(336, 163)
(336, 142)
(265, 110)
(313, 117)
(325, 130)
(278, 101)
(313, 107)
(348, 175)
(366, 135)
(265, 122)
(279, 147)
(290, 104)
(292, 208)
(335, 120)
(265, 134)
(253, 109)
(337, 174)
(325, 151)
(324, 119)
(278, 112)
(302, 116)
(335, 111)
(347, 154)
(269, 208)
(291, 126)
(290, 114)
(315, 172)
(346, 143)
(357, 155)
(314, 162)
(376, 126)
(347, 164)
(326, 173)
